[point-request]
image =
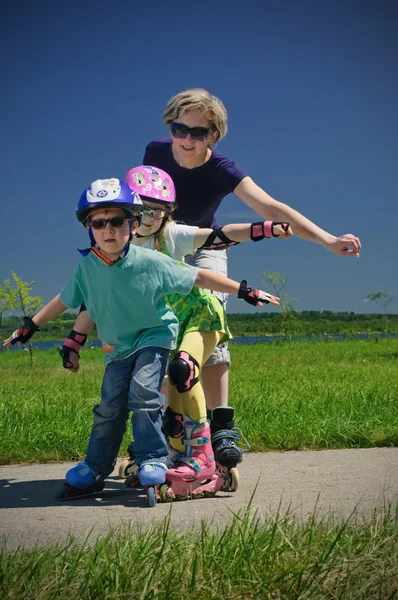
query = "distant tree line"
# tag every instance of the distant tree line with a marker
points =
(307, 322)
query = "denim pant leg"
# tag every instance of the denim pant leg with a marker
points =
(146, 401)
(110, 417)
(216, 260)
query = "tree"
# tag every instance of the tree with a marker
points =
(287, 305)
(17, 297)
(7, 298)
(384, 299)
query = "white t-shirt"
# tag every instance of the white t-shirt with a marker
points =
(179, 240)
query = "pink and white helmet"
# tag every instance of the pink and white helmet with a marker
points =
(152, 183)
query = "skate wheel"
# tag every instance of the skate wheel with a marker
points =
(164, 494)
(151, 495)
(123, 469)
(132, 480)
(233, 479)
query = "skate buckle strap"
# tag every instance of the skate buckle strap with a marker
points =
(191, 462)
(154, 464)
(231, 434)
(201, 441)
(225, 433)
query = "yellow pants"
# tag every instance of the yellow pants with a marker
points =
(192, 403)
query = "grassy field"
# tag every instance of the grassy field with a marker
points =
(250, 559)
(315, 395)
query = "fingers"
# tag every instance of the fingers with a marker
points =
(267, 298)
(350, 240)
(73, 362)
(7, 343)
(282, 233)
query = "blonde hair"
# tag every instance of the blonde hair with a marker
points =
(198, 99)
(159, 240)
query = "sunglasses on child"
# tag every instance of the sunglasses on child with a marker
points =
(115, 222)
(181, 131)
(156, 213)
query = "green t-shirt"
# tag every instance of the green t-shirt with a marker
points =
(127, 299)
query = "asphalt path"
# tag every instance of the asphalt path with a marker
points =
(336, 484)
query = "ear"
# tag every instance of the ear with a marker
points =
(214, 138)
(134, 226)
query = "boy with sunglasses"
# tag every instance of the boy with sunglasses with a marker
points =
(124, 289)
(202, 326)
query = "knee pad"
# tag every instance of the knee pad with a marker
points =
(173, 424)
(182, 372)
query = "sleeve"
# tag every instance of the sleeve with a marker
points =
(177, 277)
(230, 174)
(71, 294)
(147, 160)
(180, 239)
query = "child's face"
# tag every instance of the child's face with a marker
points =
(151, 223)
(111, 239)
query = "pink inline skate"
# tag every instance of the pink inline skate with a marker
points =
(195, 473)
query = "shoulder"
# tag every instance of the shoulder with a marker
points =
(177, 230)
(226, 169)
(158, 145)
(222, 161)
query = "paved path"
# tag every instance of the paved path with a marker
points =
(336, 480)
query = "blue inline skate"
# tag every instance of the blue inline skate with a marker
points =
(80, 481)
(151, 474)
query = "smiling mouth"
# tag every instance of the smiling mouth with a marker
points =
(187, 149)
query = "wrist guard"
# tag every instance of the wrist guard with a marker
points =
(25, 332)
(73, 343)
(265, 229)
(252, 296)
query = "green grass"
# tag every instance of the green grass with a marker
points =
(315, 395)
(250, 558)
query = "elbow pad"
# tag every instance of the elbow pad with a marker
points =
(224, 241)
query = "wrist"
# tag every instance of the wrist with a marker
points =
(327, 240)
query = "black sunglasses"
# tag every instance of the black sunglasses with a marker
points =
(113, 222)
(181, 131)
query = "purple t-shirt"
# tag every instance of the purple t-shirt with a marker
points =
(200, 190)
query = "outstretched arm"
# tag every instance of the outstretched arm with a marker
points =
(208, 279)
(49, 312)
(230, 235)
(258, 200)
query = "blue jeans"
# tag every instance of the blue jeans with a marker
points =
(131, 383)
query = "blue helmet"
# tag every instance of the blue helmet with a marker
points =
(108, 193)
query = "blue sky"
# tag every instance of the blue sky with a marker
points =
(311, 92)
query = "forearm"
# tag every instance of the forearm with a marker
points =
(83, 323)
(238, 232)
(217, 283)
(49, 312)
(274, 210)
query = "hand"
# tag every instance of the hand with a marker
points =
(345, 245)
(281, 230)
(70, 360)
(256, 297)
(70, 350)
(22, 334)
